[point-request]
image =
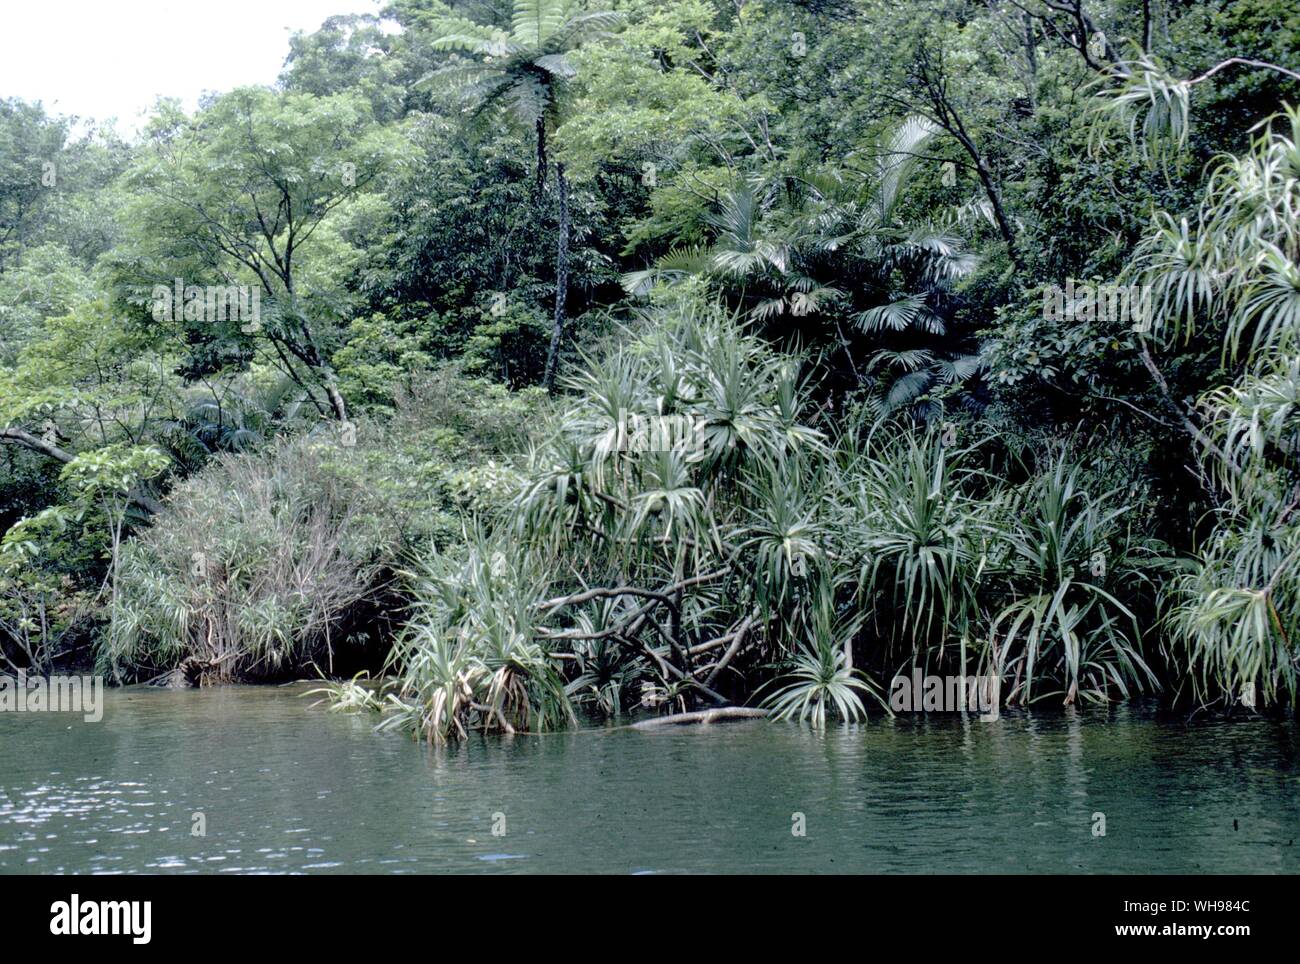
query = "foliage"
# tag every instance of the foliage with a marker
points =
(521, 68)
(820, 421)
(272, 560)
(261, 565)
(732, 548)
(1234, 608)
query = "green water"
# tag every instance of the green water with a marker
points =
(286, 788)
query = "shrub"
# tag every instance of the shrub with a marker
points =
(291, 555)
(260, 565)
(751, 558)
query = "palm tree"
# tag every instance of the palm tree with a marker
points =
(847, 225)
(521, 70)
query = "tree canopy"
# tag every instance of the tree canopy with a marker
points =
(746, 350)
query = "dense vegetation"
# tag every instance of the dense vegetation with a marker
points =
(569, 358)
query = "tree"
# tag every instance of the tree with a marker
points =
(347, 53)
(1236, 269)
(840, 252)
(89, 382)
(30, 147)
(244, 192)
(53, 184)
(522, 70)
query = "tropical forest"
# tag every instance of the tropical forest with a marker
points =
(724, 372)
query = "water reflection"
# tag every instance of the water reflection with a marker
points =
(285, 788)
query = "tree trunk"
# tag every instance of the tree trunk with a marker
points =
(995, 199)
(946, 114)
(541, 158)
(561, 281)
(951, 121)
(325, 374)
(336, 398)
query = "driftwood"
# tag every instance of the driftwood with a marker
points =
(702, 716)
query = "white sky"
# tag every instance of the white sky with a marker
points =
(113, 58)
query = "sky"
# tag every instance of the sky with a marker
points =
(112, 58)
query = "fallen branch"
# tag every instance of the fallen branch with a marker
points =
(702, 716)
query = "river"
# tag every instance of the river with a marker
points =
(277, 786)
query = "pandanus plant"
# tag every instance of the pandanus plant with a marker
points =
(1235, 269)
